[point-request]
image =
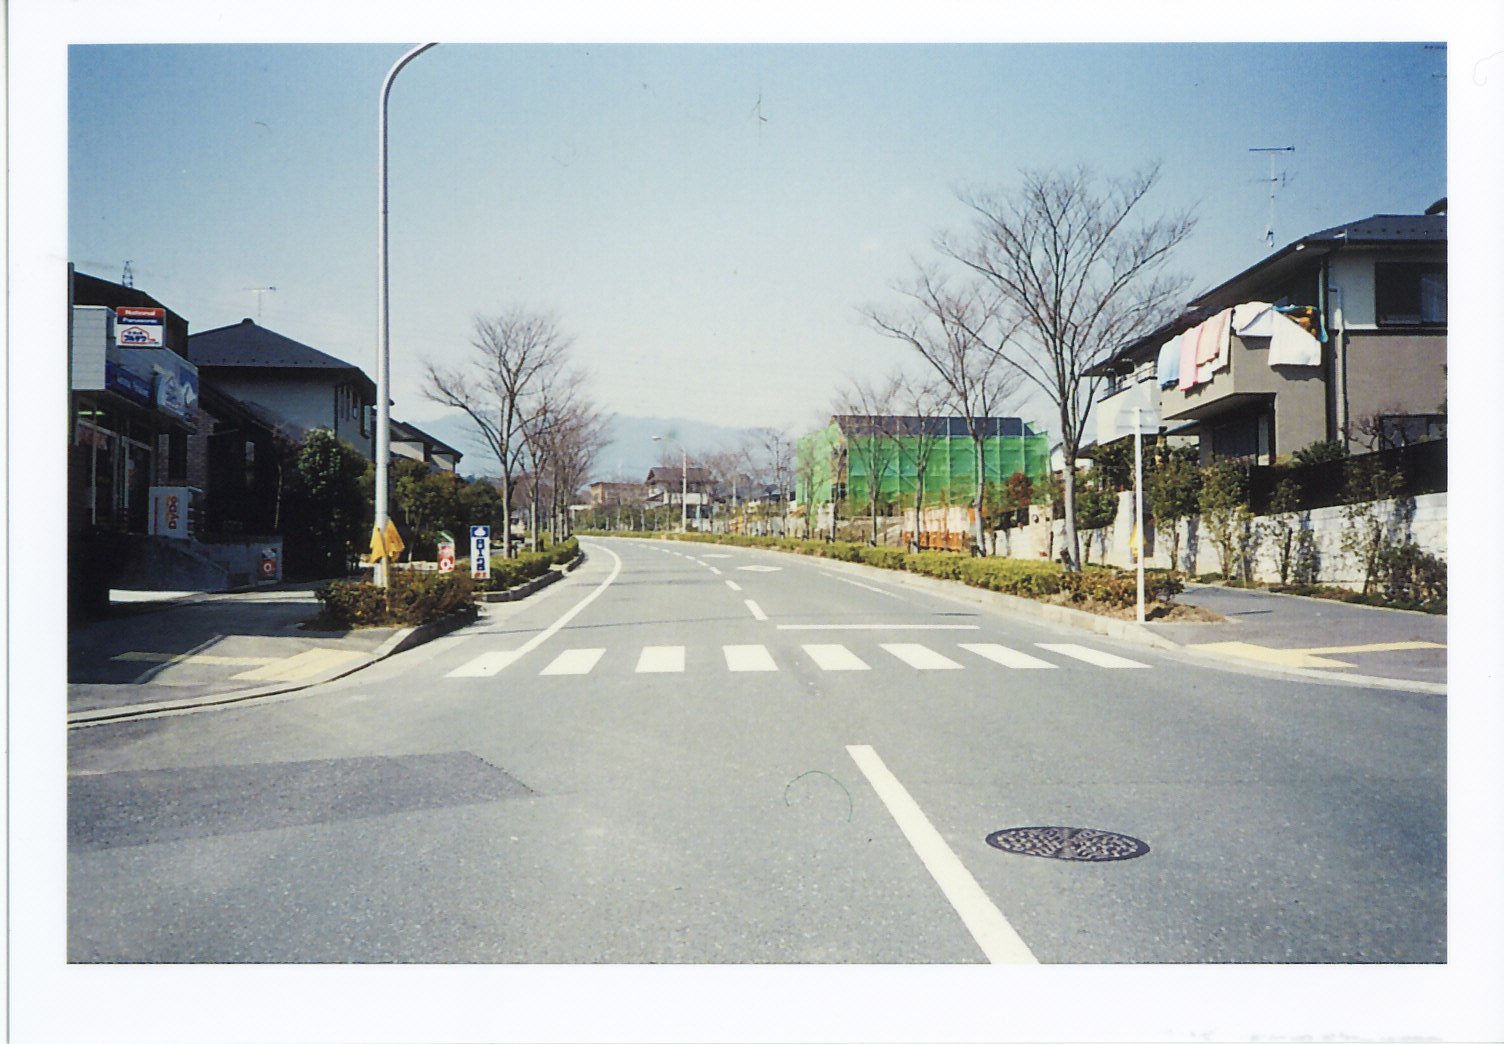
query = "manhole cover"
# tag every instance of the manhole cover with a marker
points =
(1079, 843)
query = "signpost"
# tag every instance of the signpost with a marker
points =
(446, 551)
(480, 552)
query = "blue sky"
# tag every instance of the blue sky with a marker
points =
(706, 221)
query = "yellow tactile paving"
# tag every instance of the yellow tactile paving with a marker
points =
(208, 659)
(1308, 657)
(303, 665)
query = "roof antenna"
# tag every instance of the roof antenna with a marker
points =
(127, 278)
(260, 292)
(1275, 182)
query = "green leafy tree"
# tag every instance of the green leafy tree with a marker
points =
(1370, 515)
(1096, 507)
(327, 511)
(1226, 516)
(1172, 491)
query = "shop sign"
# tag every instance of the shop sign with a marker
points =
(132, 385)
(169, 511)
(177, 387)
(446, 551)
(141, 327)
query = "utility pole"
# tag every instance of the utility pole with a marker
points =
(1275, 182)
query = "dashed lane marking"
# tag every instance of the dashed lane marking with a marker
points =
(756, 610)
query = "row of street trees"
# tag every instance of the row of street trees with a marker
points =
(531, 407)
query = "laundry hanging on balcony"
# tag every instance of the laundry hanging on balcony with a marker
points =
(1292, 344)
(1251, 319)
(1168, 369)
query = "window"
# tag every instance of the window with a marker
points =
(1410, 293)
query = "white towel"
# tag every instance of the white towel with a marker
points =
(1291, 345)
(1251, 319)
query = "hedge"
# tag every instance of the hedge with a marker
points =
(412, 598)
(1095, 587)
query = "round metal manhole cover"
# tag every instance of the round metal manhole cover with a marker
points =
(1077, 843)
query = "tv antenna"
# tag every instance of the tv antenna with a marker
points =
(127, 277)
(260, 292)
(1276, 182)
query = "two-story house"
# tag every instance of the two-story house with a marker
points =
(413, 443)
(1340, 336)
(301, 386)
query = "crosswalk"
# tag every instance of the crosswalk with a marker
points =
(825, 656)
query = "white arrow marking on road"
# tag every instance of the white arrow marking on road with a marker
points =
(984, 920)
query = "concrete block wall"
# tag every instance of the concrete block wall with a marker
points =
(1423, 519)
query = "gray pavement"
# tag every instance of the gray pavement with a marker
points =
(1294, 633)
(163, 651)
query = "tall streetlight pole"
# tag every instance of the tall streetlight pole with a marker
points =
(383, 324)
(684, 487)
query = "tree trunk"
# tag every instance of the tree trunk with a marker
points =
(980, 447)
(1072, 544)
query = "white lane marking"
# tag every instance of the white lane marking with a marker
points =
(485, 665)
(999, 942)
(835, 658)
(757, 613)
(733, 585)
(879, 627)
(760, 569)
(661, 659)
(864, 587)
(921, 657)
(714, 570)
(709, 555)
(749, 658)
(538, 639)
(1008, 657)
(1092, 656)
(574, 661)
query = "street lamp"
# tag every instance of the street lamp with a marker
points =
(383, 325)
(684, 486)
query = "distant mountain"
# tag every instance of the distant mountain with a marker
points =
(627, 456)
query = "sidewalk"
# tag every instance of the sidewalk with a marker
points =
(1315, 636)
(161, 650)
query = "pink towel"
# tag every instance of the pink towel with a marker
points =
(1187, 359)
(1211, 340)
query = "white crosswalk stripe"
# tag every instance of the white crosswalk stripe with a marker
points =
(1092, 656)
(835, 658)
(921, 657)
(748, 658)
(661, 659)
(574, 661)
(1007, 657)
(671, 659)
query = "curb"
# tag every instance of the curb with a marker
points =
(537, 583)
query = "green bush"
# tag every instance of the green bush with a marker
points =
(1411, 578)
(412, 598)
(507, 573)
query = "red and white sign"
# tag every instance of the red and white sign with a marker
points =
(446, 558)
(169, 511)
(140, 327)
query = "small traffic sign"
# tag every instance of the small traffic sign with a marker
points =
(480, 552)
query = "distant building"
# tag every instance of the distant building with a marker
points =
(299, 385)
(666, 486)
(843, 459)
(617, 494)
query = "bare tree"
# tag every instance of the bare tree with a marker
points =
(496, 388)
(957, 333)
(577, 440)
(1076, 281)
(923, 403)
(873, 433)
(775, 453)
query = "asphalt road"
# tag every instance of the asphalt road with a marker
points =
(691, 754)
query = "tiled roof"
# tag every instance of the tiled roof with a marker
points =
(247, 344)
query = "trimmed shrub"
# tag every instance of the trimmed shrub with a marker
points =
(412, 598)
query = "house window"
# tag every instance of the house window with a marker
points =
(1410, 293)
